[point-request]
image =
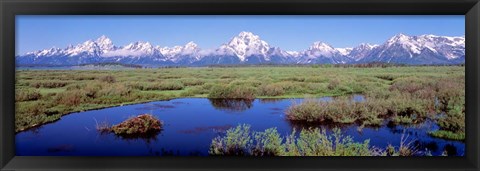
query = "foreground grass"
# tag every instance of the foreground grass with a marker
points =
(44, 96)
(240, 141)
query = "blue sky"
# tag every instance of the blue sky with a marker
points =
(287, 32)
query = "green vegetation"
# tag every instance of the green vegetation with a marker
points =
(137, 126)
(460, 136)
(240, 141)
(402, 95)
(407, 99)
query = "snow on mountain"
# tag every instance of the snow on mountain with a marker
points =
(294, 54)
(344, 51)
(244, 45)
(320, 53)
(423, 49)
(190, 52)
(361, 51)
(247, 47)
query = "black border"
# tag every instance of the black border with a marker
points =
(10, 8)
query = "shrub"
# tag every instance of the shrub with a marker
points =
(268, 143)
(407, 85)
(108, 79)
(247, 83)
(270, 90)
(309, 111)
(26, 95)
(49, 84)
(454, 119)
(171, 85)
(232, 92)
(316, 79)
(237, 141)
(167, 85)
(115, 90)
(338, 110)
(192, 82)
(71, 98)
(448, 135)
(311, 142)
(137, 126)
(332, 84)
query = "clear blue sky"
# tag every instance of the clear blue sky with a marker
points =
(287, 32)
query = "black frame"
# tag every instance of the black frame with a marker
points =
(10, 8)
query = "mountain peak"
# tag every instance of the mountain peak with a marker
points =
(367, 45)
(321, 46)
(104, 43)
(191, 45)
(102, 37)
(400, 36)
(245, 38)
(248, 47)
(244, 34)
(246, 44)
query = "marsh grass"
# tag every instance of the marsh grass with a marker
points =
(102, 127)
(140, 125)
(459, 136)
(231, 92)
(241, 141)
(27, 95)
(51, 94)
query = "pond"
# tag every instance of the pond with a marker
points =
(190, 124)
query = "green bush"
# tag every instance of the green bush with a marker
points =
(232, 92)
(137, 126)
(448, 135)
(313, 142)
(332, 84)
(108, 79)
(237, 141)
(71, 98)
(271, 90)
(26, 95)
(192, 82)
(49, 84)
(339, 110)
(268, 143)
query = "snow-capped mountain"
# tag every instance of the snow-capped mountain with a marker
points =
(423, 49)
(187, 54)
(248, 48)
(344, 51)
(320, 52)
(361, 51)
(246, 44)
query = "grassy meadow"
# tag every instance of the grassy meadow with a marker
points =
(399, 95)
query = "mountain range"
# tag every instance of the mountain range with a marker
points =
(248, 48)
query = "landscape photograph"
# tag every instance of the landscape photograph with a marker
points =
(286, 85)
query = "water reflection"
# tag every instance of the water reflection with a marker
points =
(266, 101)
(198, 130)
(155, 107)
(61, 148)
(192, 123)
(450, 149)
(301, 125)
(234, 105)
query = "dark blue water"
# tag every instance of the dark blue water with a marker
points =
(190, 124)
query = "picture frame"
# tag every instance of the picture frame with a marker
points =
(10, 8)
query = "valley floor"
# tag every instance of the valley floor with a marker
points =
(406, 94)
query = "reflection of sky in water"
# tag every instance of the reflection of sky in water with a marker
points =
(190, 124)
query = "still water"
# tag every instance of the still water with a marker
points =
(190, 124)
